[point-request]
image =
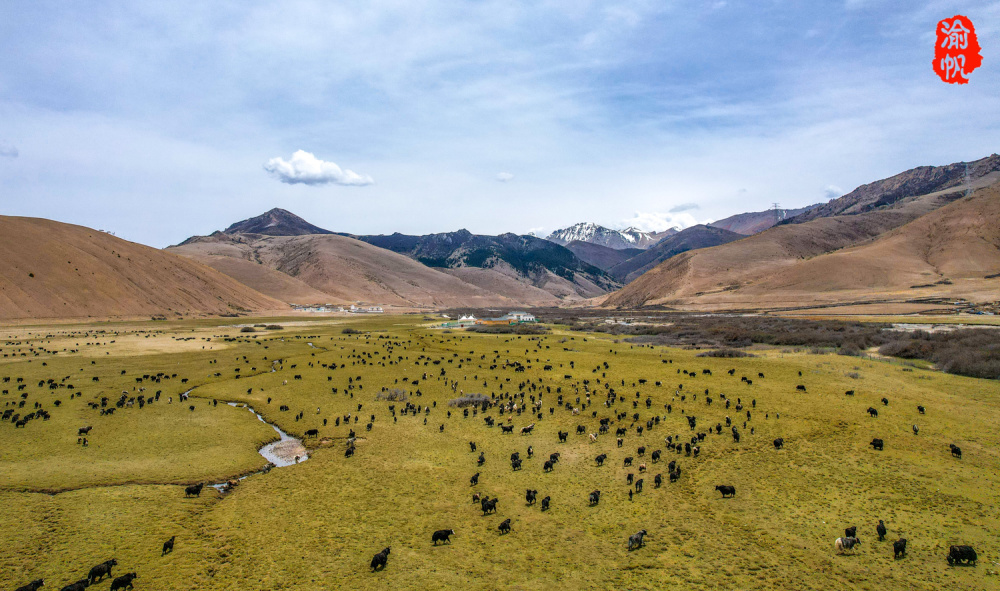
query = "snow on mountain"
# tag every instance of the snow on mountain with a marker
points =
(617, 239)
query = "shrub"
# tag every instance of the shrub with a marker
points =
(969, 352)
(394, 395)
(973, 352)
(469, 400)
(248, 329)
(849, 349)
(726, 353)
(275, 327)
(350, 331)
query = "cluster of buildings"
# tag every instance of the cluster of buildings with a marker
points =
(352, 310)
(509, 318)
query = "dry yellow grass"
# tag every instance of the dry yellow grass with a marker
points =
(317, 524)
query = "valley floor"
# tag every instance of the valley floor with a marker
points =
(316, 525)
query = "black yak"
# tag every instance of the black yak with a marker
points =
(635, 540)
(379, 560)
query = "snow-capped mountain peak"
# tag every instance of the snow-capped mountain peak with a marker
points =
(597, 234)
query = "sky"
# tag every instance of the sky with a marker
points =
(161, 120)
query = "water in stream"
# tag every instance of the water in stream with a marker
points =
(287, 451)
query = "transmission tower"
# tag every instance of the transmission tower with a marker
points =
(777, 212)
(968, 181)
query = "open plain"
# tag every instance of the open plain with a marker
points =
(317, 524)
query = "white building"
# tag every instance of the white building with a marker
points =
(521, 316)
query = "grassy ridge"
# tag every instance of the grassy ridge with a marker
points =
(316, 525)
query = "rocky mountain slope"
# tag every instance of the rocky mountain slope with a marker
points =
(602, 257)
(277, 222)
(753, 222)
(539, 262)
(915, 182)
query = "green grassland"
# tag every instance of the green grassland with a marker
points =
(315, 525)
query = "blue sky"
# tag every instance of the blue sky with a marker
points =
(161, 120)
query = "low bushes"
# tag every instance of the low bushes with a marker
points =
(725, 353)
(970, 352)
(469, 400)
(393, 395)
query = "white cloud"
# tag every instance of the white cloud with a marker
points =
(307, 169)
(658, 221)
(503, 177)
(684, 207)
(8, 151)
(536, 231)
(832, 192)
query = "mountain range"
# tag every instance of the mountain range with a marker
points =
(883, 242)
(539, 262)
(279, 254)
(922, 236)
(601, 236)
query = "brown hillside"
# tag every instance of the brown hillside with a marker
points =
(519, 292)
(692, 238)
(341, 268)
(922, 180)
(946, 253)
(265, 280)
(80, 272)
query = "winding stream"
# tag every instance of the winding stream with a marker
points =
(287, 451)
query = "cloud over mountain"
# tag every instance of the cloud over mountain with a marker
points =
(654, 221)
(832, 191)
(305, 168)
(8, 151)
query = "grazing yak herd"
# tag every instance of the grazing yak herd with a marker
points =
(599, 404)
(509, 406)
(98, 573)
